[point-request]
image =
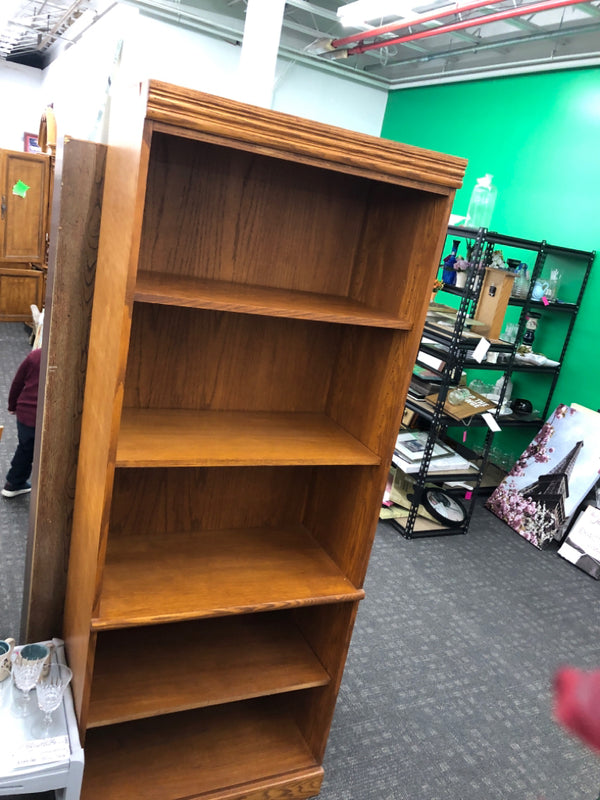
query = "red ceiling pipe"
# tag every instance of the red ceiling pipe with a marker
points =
(455, 26)
(396, 26)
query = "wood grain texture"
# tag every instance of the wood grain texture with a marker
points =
(217, 573)
(184, 438)
(25, 222)
(19, 290)
(328, 630)
(72, 266)
(144, 672)
(180, 290)
(161, 501)
(109, 333)
(294, 137)
(217, 361)
(221, 753)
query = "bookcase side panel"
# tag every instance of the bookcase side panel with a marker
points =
(72, 265)
(400, 250)
(328, 630)
(109, 331)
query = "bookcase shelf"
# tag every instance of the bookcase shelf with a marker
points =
(182, 290)
(209, 663)
(250, 746)
(182, 437)
(216, 573)
(252, 338)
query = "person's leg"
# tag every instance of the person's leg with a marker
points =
(20, 467)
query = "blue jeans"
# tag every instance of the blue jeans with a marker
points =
(20, 466)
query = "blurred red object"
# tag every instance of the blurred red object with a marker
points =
(577, 703)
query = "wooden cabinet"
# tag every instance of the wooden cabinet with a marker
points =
(24, 219)
(261, 286)
(20, 288)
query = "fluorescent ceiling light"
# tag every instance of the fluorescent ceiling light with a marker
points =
(359, 13)
(362, 11)
(8, 9)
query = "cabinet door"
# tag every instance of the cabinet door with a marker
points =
(24, 187)
(19, 290)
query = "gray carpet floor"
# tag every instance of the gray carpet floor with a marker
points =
(447, 690)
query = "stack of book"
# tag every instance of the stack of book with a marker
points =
(410, 449)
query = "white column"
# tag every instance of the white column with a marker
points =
(258, 59)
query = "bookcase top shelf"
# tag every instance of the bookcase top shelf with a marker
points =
(180, 290)
(183, 437)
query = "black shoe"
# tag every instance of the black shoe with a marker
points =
(12, 491)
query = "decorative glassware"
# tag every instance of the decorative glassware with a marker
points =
(50, 690)
(26, 670)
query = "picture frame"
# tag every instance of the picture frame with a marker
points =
(30, 143)
(550, 479)
(411, 446)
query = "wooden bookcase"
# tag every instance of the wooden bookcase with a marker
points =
(261, 286)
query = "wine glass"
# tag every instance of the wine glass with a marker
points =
(50, 690)
(26, 669)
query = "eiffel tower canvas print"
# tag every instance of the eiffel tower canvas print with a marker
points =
(551, 478)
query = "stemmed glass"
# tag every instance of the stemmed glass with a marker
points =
(50, 690)
(26, 673)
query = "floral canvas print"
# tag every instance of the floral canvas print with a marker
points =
(551, 478)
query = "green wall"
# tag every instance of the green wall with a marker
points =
(539, 135)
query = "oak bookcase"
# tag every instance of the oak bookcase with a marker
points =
(261, 286)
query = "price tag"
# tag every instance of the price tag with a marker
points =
(41, 751)
(464, 436)
(468, 495)
(491, 422)
(545, 301)
(480, 351)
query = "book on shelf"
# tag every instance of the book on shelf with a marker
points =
(425, 374)
(444, 464)
(430, 360)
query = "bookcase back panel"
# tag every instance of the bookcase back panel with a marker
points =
(223, 214)
(213, 212)
(219, 361)
(160, 501)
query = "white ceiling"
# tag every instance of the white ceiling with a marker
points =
(520, 37)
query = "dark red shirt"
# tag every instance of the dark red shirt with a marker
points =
(23, 394)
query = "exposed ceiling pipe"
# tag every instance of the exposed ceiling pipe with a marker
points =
(455, 26)
(461, 51)
(396, 26)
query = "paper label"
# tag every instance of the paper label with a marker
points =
(20, 189)
(41, 751)
(481, 350)
(491, 422)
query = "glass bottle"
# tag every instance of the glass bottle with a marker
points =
(482, 202)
